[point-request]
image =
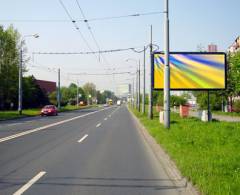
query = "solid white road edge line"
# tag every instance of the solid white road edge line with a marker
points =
(30, 183)
(47, 126)
(83, 138)
(98, 125)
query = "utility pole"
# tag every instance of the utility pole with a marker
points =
(20, 74)
(77, 93)
(143, 96)
(166, 69)
(58, 94)
(20, 82)
(139, 88)
(136, 89)
(133, 99)
(150, 102)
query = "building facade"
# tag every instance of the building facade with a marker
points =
(47, 86)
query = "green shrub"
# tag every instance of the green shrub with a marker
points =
(177, 101)
(236, 106)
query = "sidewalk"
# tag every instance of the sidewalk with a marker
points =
(218, 117)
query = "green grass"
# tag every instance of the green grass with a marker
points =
(6, 115)
(206, 153)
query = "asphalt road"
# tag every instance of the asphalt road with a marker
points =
(94, 151)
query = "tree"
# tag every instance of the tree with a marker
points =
(68, 95)
(33, 96)
(233, 74)
(177, 100)
(9, 61)
(90, 89)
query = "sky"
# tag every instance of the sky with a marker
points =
(192, 23)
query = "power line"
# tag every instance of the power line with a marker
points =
(81, 20)
(99, 74)
(92, 52)
(75, 25)
(90, 30)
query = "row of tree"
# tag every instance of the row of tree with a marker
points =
(33, 96)
(87, 94)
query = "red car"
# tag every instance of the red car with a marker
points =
(49, 110)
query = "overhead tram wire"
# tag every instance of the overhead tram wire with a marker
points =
(99, 74)
(91, 32)
(94, 52)
(75, 25)
(89, 20)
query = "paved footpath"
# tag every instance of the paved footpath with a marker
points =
(219, 117)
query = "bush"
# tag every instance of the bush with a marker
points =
(236, 106)
(72, 102)
(177, 101)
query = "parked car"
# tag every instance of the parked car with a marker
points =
(49, 110)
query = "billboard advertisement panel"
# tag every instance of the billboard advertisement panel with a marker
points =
(191, 70)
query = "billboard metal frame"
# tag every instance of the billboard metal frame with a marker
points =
(190, 89)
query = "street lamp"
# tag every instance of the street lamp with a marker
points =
(89, 96)
(20, 72)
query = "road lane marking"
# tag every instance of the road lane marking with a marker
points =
(83, 138)
(105, 119)
(14, 124)
(110, 115)
(30, 183)
(99, 124)
(47, 126)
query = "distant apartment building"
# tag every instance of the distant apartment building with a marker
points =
(123, 90)
(47, 86)
(235, 47)
(212, 48)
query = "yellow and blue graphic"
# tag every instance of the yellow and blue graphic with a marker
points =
(191, 71)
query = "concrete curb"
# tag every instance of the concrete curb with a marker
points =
(168, 165)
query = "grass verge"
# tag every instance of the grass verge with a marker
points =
(6, 115)
(206, 153)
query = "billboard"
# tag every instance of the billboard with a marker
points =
(191, 70)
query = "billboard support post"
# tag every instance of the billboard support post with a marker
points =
(166, 70)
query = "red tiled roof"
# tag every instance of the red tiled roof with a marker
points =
(47, 86)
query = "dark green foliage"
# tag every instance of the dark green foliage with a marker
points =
(8, 67)
(158, 98)
(215, 99)
(33, 96)
(236, 106)
(177, 100)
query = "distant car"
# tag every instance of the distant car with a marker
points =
(119, 102)
(105, 105)
(49, 110)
